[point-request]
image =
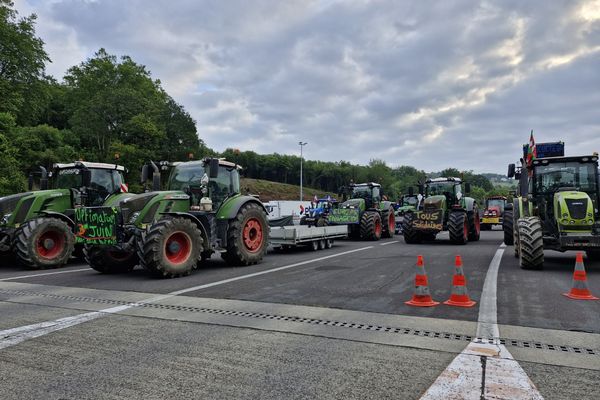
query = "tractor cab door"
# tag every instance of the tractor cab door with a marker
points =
(375, 197)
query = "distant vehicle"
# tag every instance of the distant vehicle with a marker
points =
(408, 202)
(493, 213)
(284, 208)
(318, 214)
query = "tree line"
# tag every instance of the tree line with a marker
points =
(110, 109)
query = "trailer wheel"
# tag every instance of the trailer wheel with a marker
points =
(329, 243)
(247, 236)
(314, 245)
(108, 260)
(44, 243)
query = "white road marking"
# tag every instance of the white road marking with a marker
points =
(13, 336)
(386, 243)
(44, 274)
(485, 370)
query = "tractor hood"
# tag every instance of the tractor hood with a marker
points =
(435, 203)
(574, 210)
(8, 203)
(354, 203)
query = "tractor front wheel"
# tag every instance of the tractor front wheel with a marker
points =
(389, 227)
(508, 227)
(172, 247)
(458, 227)
(474, 225)
(247, 236)
(411, 235)
(110, 260)
(44, 243)
(531, 243)
(370, 226)
(593, 255)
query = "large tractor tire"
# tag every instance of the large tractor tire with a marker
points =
(109, 260)
(172, 247)
(389, 223)
(474, 225)
(508, 227)
(370, 226)
(247, 236)
(458, 227)
(411, 235)
(44, 243)
(531, 243)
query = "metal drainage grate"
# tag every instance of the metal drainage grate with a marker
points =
(340, 324)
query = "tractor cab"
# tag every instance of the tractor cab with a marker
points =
(370, 193)
(213, 179)
(440, 192)
(92, 183)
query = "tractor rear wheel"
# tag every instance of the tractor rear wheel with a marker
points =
(370, 226)
(474, 225)
(109, 260)
(458, 227)
(172, 247)
(389, 227)
(411, 235)
(531, 243)
(44, 243)
(247, 236)
(508, 227)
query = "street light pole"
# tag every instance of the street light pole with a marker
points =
(302, 144)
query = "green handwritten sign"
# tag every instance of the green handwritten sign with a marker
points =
(429, 220)
(344, 216)
(96, 225)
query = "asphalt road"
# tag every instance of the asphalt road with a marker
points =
(302, 324)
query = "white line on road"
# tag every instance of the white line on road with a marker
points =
(13, 336)
(386, 243)
(485, 370)
(44, 274)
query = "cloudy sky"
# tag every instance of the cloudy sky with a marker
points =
(423, 83)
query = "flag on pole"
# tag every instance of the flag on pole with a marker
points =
(315, 199)
(531, 150)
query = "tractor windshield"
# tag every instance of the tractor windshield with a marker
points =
(552, 177)
(186, 175)
(369, 193)
(104, 182)
(496, 203)
(410, 201)
(440, 188)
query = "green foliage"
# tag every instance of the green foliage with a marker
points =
(11, 178)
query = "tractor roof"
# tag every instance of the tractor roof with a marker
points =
(549, 160)
(442, 179)
(496, 197)
(222, 162)
(369, 184)
(90, 165)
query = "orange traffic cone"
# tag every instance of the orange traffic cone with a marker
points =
(579, 289)
(459, 296)
(421, 296)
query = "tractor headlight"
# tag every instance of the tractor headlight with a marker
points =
(572, 222)
(134, 217)
(565, 215)
(591, 221)
(5, 219)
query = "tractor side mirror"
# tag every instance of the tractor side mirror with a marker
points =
(86, 177)
(467, 188)
(511, 170)
(411, 191)
(213, 168)
(156, 181)
(144, 174)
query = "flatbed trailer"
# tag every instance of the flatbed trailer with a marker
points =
(285, 237)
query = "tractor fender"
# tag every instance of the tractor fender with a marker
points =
(231, 206)
(57, 215)
(385, 205)
(470, 204)
(196, 221)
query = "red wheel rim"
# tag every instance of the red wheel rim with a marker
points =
(392, 223)
(377, 228)
(50, 244)
(252, 235)
(178, 247)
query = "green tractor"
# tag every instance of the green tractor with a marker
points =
(368, 216)
(408, 203)
(201, 213)
(37, 226)
(444, 208)
(556, 208)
